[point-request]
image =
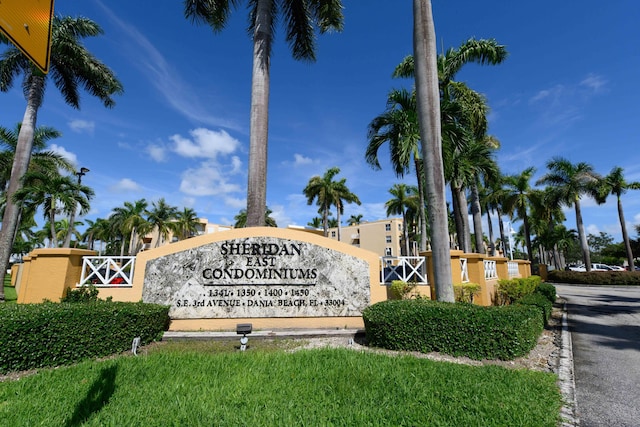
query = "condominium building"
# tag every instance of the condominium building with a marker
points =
(383, 237)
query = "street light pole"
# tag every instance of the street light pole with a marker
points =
(72, 216)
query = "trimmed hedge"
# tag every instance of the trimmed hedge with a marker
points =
(511, 290)
(621, 278)
(503, 332)
(547, 290)
(50, 334)
(540, 301)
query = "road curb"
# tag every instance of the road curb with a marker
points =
(566, 378)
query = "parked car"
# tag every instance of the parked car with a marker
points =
(114, 279)
(595, 266)
(617, 268)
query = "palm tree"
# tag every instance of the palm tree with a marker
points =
(354, 219)
(186, 223)
(400, 204)
(160, 217)
(71, 66)
(328, 193)
(516, 198)
(41, 160)
(55, 194)
(299, 18)
(428, 103)
(241, 219)
(398, 126)
(316, 222)
(571, 182)
(615, 184)
(132, 221)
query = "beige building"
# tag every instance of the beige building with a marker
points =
(383, 237)
(203, 227)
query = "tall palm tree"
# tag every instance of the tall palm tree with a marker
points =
(71, 66)
(615, 184)
(300, 18)
(132, 221)
(160, 217)
(428, 103)
(56, 194)
(327, 193)
(518, 192)
(400, 204)
(241, 219)
(186, 223)
(41, 160)
(571, 182)
(399, 127)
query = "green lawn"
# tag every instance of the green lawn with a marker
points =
(9, 291)
(196, 384)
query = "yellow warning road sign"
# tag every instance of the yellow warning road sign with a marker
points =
(27, 23)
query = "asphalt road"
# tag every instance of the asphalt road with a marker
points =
(605, 330)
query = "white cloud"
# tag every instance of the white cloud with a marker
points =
(205, 143)
(278, 212)
(593, 82)
(157, 153)
(553, 94)
(72, 158)
(300, 160)
(592, 229)
(207, 180)
(176, 91)
(82, 126)
(235, 203)
(125, 185)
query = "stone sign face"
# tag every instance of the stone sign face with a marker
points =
(258, 277)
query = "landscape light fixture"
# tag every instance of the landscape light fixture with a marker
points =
(83, 172)
(243, 329)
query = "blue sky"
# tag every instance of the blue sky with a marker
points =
(181, 130)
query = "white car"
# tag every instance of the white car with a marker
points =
(594, 267)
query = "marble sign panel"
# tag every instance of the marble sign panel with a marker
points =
(260, 276)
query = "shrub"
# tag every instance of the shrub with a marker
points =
(466, 291)
(540, 301)
(84, 294)
(510, 290)
(401, 289)
(620, 278)
(42, 335)
(457, 329)
(548, 290)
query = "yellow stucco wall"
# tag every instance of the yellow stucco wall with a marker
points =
(48, 273)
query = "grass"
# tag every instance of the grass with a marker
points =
(204, 384)
(10, 294)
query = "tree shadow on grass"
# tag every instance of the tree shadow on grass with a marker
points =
(97, 397)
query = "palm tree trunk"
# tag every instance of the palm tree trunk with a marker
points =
(428, 102)
(52, 227)
(625, 235)
(421, 210)
(259, 129)
(502, 237)
(586, 256)
(527, 236)
(476, 211)
(456, 216)
(21, 160)
(492, 244)
(463, 209)
(338, 218)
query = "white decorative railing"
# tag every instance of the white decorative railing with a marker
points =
(410, 269)
(464, 271)
(513, 269)
(107, 271)
(490, 270)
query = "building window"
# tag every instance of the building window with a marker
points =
(399, 227)
(387, 227)
(333, 234)
(388, 252)
(388, 239)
